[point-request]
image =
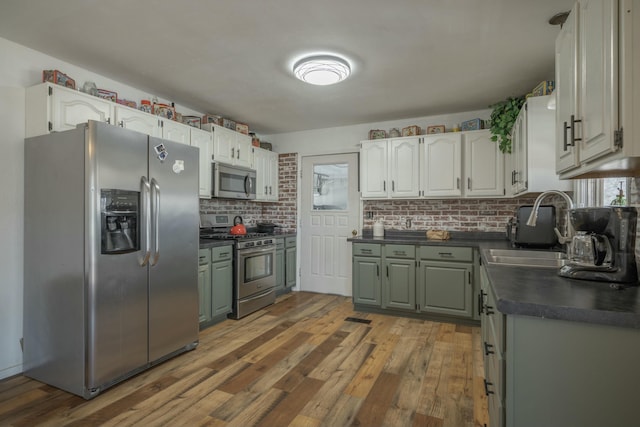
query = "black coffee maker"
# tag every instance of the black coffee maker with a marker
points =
(603, 248)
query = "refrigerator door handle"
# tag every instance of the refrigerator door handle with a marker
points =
(155, 213)
(146, 202)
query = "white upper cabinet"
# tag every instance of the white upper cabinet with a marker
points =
(533, 145)
(483, 165)
(598, 78)
(230, 147)
(441, 168)
(373, 168)
(404, 167)
(265, 163)
(137, 120)
(566, 92)
(456, 164)
(390, 168)
(174, 131)
(204, 141)
(597, 70)
(53, 108)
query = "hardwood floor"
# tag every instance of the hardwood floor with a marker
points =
(296, 363)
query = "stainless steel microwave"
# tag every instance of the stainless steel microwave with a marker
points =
(232, 182)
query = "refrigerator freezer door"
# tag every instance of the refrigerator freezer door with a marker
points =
(173, 271)
(117, 283)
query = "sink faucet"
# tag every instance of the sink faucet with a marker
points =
(531, 222)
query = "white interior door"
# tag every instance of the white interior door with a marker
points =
(330, 212)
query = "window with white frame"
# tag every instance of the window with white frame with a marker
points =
(601, 192)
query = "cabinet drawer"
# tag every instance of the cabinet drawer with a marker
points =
(366, 249)
(280, 243)
(446, 253)
(400, 251)
(221, 253)
(204, 256)
(290, 242)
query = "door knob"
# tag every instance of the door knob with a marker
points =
(354, 233)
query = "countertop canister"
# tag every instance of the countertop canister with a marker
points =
(378, 228)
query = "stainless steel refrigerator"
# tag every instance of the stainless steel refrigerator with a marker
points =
(111, 255)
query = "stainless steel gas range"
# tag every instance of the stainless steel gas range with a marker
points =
(254, 254)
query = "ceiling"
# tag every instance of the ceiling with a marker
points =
(410, 58)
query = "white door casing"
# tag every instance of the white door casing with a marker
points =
(325, 253)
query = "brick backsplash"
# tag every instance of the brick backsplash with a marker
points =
(450, 214)
(282, 212)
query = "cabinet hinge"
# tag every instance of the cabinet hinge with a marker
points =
(526, 107)
(504, 191)
(617, 139)
(50, 91)
(50, 124)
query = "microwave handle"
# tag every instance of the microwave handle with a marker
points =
(248, 185)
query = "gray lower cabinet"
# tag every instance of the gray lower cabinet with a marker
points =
(280, 263)
(215, 284)
(366, 277)
(290, 253)
(435, 280)
(399, 284)
(286, 270)
(204, 284)
(557, 373)
(445, 280)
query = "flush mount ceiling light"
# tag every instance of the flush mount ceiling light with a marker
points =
(322, 70)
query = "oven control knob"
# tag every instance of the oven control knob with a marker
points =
(258, 243)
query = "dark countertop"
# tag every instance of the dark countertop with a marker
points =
(540, 292)
(537, 292)
(469, 239)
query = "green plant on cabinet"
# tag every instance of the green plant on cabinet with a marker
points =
(503, 117)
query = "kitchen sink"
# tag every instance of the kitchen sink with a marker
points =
(526, 258)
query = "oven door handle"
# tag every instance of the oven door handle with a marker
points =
(260, 295)
(250, 252)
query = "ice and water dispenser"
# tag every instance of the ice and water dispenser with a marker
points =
(119, 212)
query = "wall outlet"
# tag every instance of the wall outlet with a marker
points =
(369, 214)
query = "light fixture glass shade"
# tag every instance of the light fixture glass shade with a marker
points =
(322, 70)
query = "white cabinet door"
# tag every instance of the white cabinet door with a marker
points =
(204, 141)
(598, 90)
(404, 167)
(587, 84)
(176, 132)
(274, 176)
(137, 120)
(442, 165)
(519, 171)
(566, 90)
(223, 144)
(260, 164)
(243, 150)
(265, 163)
(373, 169)
(484, 165)
(70, 108)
